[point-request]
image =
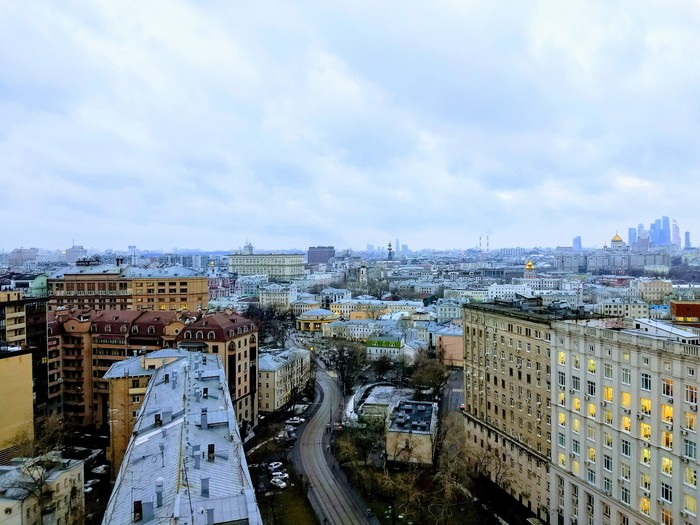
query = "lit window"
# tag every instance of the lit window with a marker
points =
(666, 466)
(644, 506)
(667, 440)
(645, 405)
(591, 366)
(667, 413)
(690, 504)
(667, 387)
(607, 394)
(626, 424)
(645, 431)
(646, 456)
(562, 358)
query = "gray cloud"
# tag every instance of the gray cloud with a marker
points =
(181, 123)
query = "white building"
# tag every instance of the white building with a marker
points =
(278, 296)
(625, 426)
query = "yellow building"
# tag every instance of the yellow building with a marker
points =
(313, 320)
(128, 381)
(16, 395)
(282, 374)
(116, 287)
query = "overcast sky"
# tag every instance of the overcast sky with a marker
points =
(295, 124)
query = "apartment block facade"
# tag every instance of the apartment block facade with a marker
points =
(614, 436)
(507, 377)
(118, 287)
(626, 423)
(278, 266)
(282, 374)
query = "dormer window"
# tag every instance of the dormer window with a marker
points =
(93, 328)
(211, 335)
(123, 329)
(108, 328)
(151, 330)
(188, 335)
(134, 329)
(199, 335)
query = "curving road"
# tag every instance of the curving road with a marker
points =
(329, 497)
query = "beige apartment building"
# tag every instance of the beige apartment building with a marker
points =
(118, 287)
(507, 377)
(278, 266)
(654, 291)
(282, 374)
(17, 401)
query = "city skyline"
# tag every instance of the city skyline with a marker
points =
(179, 123)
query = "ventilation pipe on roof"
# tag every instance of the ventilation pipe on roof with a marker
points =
(159, 492)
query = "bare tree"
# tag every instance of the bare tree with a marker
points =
(381, 366)
(429, 373)
(349, 362)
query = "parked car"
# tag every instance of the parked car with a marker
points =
(275, 465)
(278, 483)
(295, 420)
(461, 406)
(102, 469)
(89, 483)
(280, 475)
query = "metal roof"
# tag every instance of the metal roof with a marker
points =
(185, 438)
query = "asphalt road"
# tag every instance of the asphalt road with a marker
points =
(329, 496)
(453, 395)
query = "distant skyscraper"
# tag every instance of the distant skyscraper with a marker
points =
(370, 247)
(577, 243)
(665, 231)
(397, 246)
(675, 234)
(687, 246)
(631, 236)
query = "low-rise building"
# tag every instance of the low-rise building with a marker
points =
(410, 437)
(313, 320)
(387, 345)
(283, 374)
(46, 489)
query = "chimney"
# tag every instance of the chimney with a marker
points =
(159, 492)
(195, 450)
(205, 487)
(197, 461)
(196, 394)
(204, 423)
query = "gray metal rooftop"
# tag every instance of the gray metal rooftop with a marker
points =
(185, 462)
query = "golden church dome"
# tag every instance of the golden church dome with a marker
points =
(529, 266)
(617, 238)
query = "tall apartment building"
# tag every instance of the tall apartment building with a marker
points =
(507, 377)
(119, 287)
(621, 432)
(185, 461)
(320, 254)
(625, 413)
(23, 324)
(84, 344)
(278, 266)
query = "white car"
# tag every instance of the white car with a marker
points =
(274, 465)
(280, 475)
(278, 483)
(102, 469)
(89, 483)
(295, 420)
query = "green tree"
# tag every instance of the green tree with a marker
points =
(381, 366)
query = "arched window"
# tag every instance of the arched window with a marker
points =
(122, 329)
(211, 335)
(151, 330)
(108, 328)
(134, 329)
(93, 328)
(199, 335)
(188, 335)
